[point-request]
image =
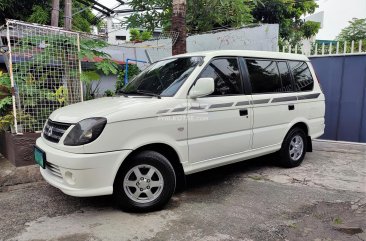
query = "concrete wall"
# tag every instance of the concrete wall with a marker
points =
(257, 37)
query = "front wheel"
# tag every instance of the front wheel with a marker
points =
(145, 183)
(293, 148)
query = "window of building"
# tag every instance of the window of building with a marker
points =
(264, 76)
(225, 72)
(302, 76)
(119, 37)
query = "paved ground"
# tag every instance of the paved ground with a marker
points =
(323, 200)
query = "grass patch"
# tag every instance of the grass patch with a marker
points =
(293, 225)
(337, 220)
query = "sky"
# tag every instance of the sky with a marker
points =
(337, 13)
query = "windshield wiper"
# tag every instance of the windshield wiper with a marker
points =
(148, 93)
(138, 92)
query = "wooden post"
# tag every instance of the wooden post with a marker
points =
(68, 14)
(55, 12)
(179, 25)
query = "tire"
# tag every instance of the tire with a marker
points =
(293, 148)
(146, 182)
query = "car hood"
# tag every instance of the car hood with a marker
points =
(98, 108)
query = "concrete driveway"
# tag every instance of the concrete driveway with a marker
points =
(323, 200)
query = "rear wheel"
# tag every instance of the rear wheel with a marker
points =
(293, 148)
(145, 183)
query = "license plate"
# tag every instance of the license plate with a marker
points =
(39, 157)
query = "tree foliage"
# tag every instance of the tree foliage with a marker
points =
(201, 16)
(20, 9)
(355, 31)
(151, 17)
(39, 11)
(288, 13)
(205, 15)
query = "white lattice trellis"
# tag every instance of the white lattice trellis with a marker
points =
(44, 68)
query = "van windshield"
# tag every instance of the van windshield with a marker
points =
(163, 78)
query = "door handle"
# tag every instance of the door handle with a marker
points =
(243, 112)
(291, 107)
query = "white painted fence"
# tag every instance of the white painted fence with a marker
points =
(342, 48)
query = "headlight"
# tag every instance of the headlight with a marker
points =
(85, 131)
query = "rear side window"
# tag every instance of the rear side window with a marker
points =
(264, 76)
(302, 76)
(285, 76)
(225, 72)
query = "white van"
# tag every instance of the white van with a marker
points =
(182, 115)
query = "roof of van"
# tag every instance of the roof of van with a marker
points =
(247, 53)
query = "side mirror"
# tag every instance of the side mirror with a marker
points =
(202, 87)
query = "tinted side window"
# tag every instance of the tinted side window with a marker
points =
(264, 76)
(302, 75)
(225, 72)
(285, 76)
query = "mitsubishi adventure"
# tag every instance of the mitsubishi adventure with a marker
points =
(182, 115)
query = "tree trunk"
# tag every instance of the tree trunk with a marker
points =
(68, 14)
(179, 25)
(55, 12)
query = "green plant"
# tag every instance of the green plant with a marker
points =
(337, 220)
(146, 35)
(133, 70)
(88, 78)
(5, 94)
(60, 95)
(7, 121)
(90, 49)
(109, 93)
(135, 35)
(32, 76)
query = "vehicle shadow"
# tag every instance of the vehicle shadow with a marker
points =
(198, 185)
(221, 174)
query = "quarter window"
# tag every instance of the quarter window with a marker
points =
(225, 72)
(302, 76)
(264, 76)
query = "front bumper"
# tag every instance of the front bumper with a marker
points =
(81, 175)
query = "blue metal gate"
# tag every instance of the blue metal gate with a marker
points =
(343, 80)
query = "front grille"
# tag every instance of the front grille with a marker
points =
(55, 170)
(53, 131)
